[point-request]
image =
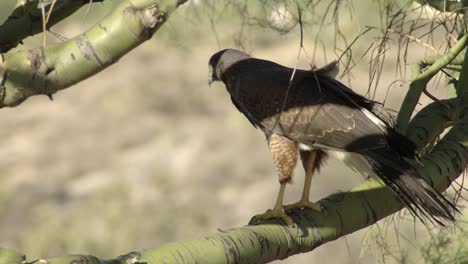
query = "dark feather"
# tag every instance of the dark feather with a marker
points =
(315, 111)
(417, 195)
(320, 158)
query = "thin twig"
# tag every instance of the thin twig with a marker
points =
(50, 11)
(415, 39)
(44, 25)
(301, 45)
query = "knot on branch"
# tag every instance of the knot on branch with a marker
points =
(40, 70)
(152, 18)
(130, 258)
(80, 260)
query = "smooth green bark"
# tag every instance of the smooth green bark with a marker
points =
(443, 5)
(9, 256)
(420, 80)
(26, 20)
(46, 70)
(465, 12)
(462, 83)
(432, 120)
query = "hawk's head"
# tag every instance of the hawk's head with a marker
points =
(221, 61)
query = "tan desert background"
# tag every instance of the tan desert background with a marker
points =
(146, 153)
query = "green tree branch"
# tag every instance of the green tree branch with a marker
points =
(465, 12)
(432, 120)
(420, 79)
(46, 70)
(462, 83)
(443, 5)
(26, 20)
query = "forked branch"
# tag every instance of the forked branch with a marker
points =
(421, 77)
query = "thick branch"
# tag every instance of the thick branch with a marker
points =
(420, 80)
(443, 5)
(465, 12)
(26, 20)
(462, 84)
(47, 70)
(432, 120)
(343, 214)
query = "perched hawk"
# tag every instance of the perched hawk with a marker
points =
(312, 115)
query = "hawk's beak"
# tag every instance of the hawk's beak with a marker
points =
(210, 76)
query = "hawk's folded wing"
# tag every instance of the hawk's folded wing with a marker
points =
(327, 125)
(313, 109)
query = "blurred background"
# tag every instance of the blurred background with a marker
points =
(145, 153)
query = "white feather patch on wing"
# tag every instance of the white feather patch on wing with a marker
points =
(355, 161)
(305, 147)
(375, 119)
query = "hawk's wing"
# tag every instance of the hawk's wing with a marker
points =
(314, 110)
(329, 126)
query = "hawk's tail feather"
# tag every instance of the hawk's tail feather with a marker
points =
(421, 199)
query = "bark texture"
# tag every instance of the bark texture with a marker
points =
(46, 70)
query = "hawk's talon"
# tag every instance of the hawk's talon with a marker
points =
(272, 214)
(303, 204)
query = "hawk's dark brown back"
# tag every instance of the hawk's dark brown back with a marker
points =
(311, 110)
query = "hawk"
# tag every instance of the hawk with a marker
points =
(311, 115)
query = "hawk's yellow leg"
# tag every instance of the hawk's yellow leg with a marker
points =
(277, 211)
(284, 154)
(305, 202)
